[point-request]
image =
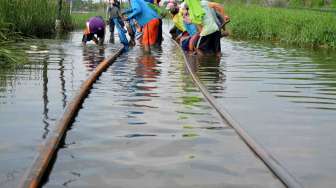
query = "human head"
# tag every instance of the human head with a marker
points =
(173, 7)
(184, 8)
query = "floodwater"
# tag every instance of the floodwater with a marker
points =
(144, 123)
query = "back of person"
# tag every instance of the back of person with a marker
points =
(142, 12)
(113, 11)
(96, 25)
(209, 24)
(178, 21)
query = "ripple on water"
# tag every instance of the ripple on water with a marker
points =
(151, 124)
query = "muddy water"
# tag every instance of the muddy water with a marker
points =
(33, 96)
(146, 125)
(285, 98)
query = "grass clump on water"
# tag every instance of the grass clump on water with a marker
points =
(7, 54)
(304, 28)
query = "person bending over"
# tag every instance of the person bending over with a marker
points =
(95, 26)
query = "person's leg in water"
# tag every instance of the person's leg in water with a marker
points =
(209, 44)
(160, 37)
(111, 31)
(150, 33)
(101, 38)
(137, 30)
(121, 33)
(131, 31)
(134, 31)
(122, 24)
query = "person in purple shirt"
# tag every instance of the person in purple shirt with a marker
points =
(94, 26)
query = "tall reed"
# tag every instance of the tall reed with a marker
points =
(29, 18)
(287, 3)
(7, 54)
(32, 17)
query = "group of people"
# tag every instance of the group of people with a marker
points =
(198, 24)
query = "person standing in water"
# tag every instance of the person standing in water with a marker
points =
(148, 20)
(116, 21)
(94, 26)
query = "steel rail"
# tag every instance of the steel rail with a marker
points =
(286, 178)
(34, 175)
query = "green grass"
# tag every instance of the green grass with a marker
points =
(9, 55)
(7, 38)
(287, 3)
(299, 27)
(20, 18)
(79, 19)
(33, 17)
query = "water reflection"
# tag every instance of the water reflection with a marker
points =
(38, 92)
(62, 79)
(143, 139)
(302, 77)
(193, 103)
(208, 69)
(49, 59)
(7, 80)
(45, 100)
(144, 86)
(280, 87)
(92, 56)
(147, 73)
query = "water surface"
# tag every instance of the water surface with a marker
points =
(145, 124)
(285, 98)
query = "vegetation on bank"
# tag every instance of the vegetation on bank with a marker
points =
(79, 19)
(33, 17)
(27, 18)
(303, 28)
(7, 38)
(315, 4)
(252, 19)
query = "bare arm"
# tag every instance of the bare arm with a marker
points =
(217, 7)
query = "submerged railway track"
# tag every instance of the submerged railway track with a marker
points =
(266, 157)
(38, 171)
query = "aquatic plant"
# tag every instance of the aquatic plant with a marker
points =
(8, 55)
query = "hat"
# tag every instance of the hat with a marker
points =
(171, 4)
(184, 5)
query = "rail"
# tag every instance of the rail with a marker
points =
(34, 175)
(286, 178)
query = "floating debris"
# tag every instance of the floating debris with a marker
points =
(188, 127)
(138, 135)
(190, 135)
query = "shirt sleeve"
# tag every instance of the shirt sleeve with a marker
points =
(136, 9)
